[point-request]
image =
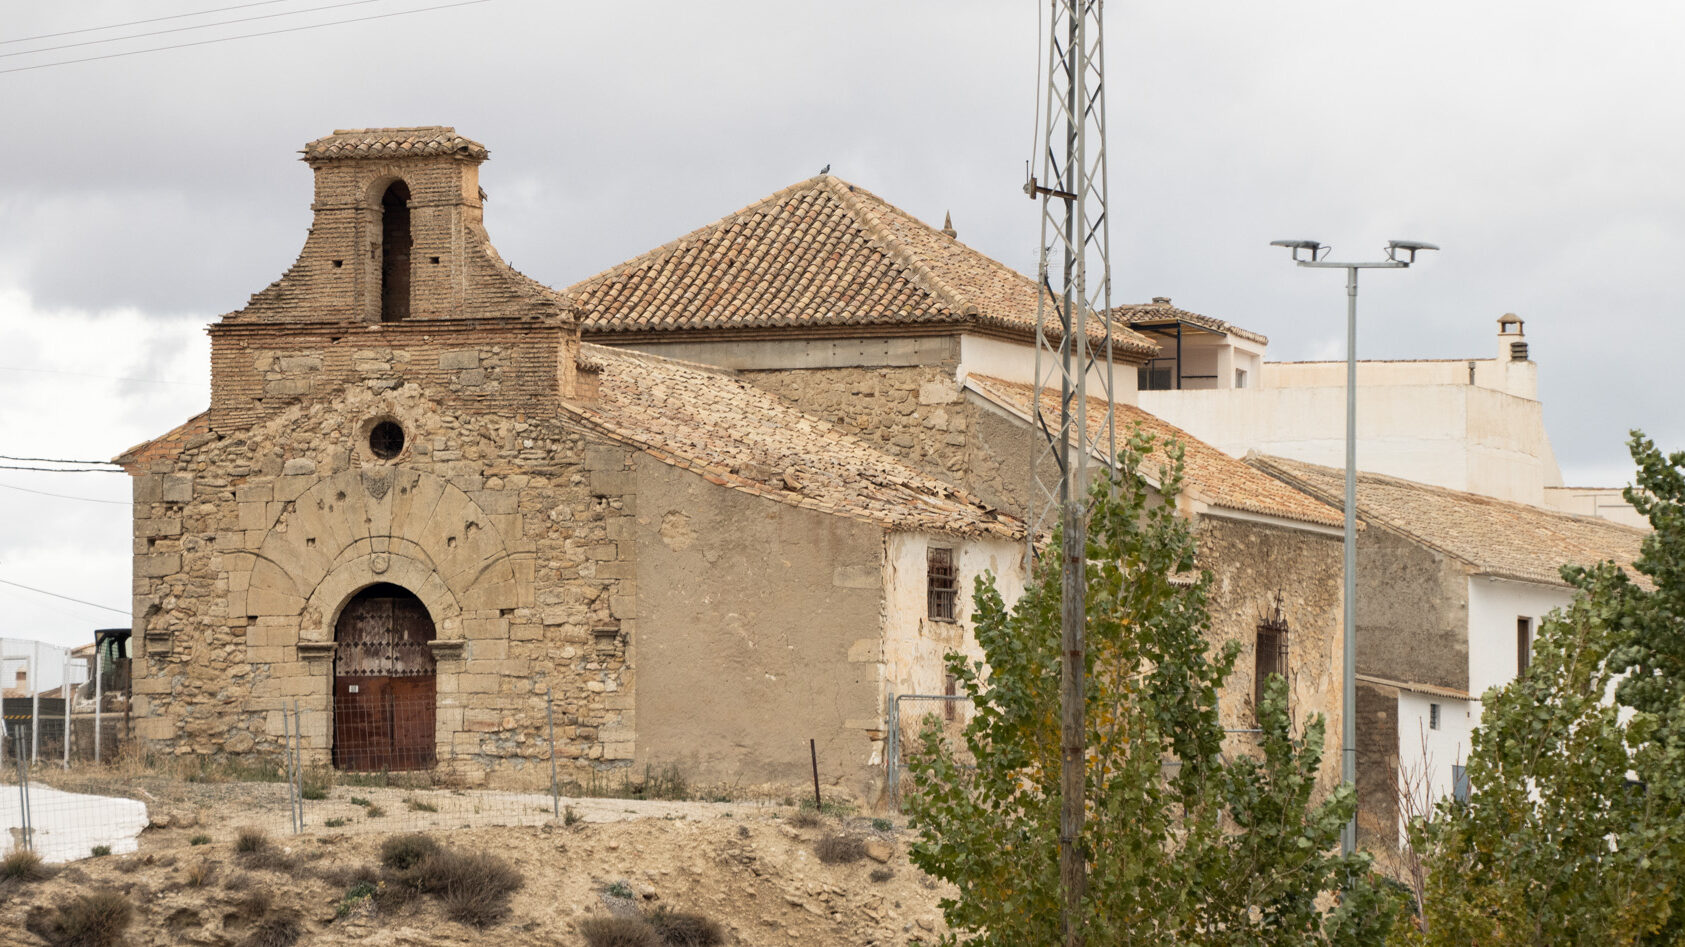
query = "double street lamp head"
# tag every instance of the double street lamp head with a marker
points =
(1317, 251)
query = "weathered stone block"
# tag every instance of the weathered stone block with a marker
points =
(458, 359)
(177, 489)
(157, 565)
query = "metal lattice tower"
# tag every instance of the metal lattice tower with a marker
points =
(1073, 361)
(1074, 268)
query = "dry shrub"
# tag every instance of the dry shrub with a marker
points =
(199, 874)
(618, 932)
(684, 928)
(473, 888)
(254, 905)
(805, 819)
(346, 876)
(250, 841)
(881, 875)
(840, 849)
(280, 929)
(24, 865)
(403, 852)
(237, 882)
(269, 858)
(90, 920)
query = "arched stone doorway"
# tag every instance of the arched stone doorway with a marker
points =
(384, 682)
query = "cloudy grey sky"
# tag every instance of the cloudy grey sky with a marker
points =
(143, 196)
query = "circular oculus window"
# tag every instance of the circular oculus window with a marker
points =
(386, 440)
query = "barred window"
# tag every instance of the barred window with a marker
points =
(1270, 653)
(942, 581)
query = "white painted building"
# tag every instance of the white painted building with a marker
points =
(1452, 588)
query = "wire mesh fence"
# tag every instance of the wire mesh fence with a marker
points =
(382, 776)
(910, 715)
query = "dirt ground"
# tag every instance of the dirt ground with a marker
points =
(744, 865)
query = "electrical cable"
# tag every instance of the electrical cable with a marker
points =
(183, 29)
(61, 496)
(64, 469)
(224, 39)
(156, 19)
(55, 460)
(31, 588)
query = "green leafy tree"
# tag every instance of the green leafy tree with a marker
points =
(1184, 844)
(1574, 832)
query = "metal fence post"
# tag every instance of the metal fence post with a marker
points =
(28, 829)
(99, 703)
(892, 783)
(65, 692)
(550, 715)
(34, 677)
(298, 768)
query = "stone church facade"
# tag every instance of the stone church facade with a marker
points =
(419, 507)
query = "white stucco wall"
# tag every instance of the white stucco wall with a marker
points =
(1451, 435)
(1494, 606)
(914, 644)
(1016, 362)
(1425, 755)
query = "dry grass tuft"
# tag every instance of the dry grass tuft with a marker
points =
(473, 889)
(91, 920)
(199, 874)
(280, 929)
(881, 875)
(618, 932)
(24, 865)
(805, 819)
(684, 928)
(403, 852)
(249, 841)
(840, 849)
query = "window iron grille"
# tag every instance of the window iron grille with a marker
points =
(942, 581)
(1271, 650)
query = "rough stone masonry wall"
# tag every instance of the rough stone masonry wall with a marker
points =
(1377, 767)
(249, 543)
(1250, 564)
(920, 414)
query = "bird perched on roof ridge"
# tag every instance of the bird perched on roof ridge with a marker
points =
(825, 170)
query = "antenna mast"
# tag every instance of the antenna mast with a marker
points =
(1073, 353)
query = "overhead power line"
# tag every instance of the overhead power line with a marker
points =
(61, 496)
(116, 470)
(224, 39)
(54, 460)
(31, 588)
(183, 29)
(156, 19)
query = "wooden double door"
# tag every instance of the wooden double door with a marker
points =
(384, 685)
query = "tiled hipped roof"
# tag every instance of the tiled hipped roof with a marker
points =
(821, 253)
(1209, 475)
(393, 143)
(742, 437)
(1495, 537)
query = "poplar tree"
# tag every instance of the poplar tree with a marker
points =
(1574, 831)
(1188, 839)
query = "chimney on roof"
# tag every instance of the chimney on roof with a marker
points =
(1512, 341)
(1161, 300)
(948, 225)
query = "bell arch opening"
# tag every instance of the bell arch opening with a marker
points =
(385, 683)
(395, 242)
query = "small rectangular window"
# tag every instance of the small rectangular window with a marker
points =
(1270, 653)
(942, 581)
(1460, 783)
(1523, 644)
(1433, 716)
(1240, 378)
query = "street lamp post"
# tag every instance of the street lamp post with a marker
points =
(1348, 705)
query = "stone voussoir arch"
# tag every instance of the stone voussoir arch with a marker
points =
(382, 524)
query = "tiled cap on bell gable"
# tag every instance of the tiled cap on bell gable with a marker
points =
(383, 143)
